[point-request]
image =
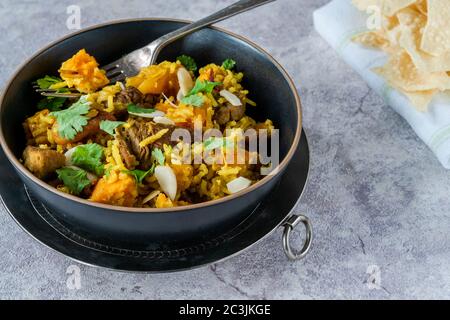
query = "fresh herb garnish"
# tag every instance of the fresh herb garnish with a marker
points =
(72, 120)
(188, 62)
(158, 156)
(109, 126)
(132, 108)
(203, 86)
(140, 175)
(193, 99)
(51, 103)
(74, 179)
(196, 101)
(228, 64)
(89, 157)
(47, 81)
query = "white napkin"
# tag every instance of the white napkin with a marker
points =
(337, 23)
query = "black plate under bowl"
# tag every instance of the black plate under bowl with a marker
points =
(44, 226)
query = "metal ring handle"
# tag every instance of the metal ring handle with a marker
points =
(289, 225)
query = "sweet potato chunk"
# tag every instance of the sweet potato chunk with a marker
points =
(184, 174)
(82, 72)
(156, 79)
(118, 189)
(42, 162)
(162, 201)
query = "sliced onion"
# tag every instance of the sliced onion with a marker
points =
(238, 184)
(168, 100)
(231, 98)
(92, 177)
(68, 155)
(167, 180)
(155, 113)
(151, 196)
(164, 120)
(185, 81)
(122, 86)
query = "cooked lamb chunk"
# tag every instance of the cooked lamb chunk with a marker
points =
(125, 153)
(224, 114)
(42, 162)
(129, 95)
(236, 112)
(138, 131)
(133, 95)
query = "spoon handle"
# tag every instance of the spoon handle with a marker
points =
(232, 10)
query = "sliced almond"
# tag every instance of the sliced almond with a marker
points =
(238, 184)
(167, 180)
(231, 98)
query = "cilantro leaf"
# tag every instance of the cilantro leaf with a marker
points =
(74, 179)
(89, 157)
(200, 86)
(188, 62)
(195, 100)
(203, 86)
(132, 108)
(140, 175)
(47, 81)
(158, 156)
(72, 120)
(51, 103)
(109, 126)
(228, 64)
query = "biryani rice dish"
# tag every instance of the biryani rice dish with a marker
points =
(114, 144)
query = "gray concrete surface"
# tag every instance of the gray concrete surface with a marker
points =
(376, 195)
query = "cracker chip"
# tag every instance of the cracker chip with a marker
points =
(394, 37)
(416, 36)
(422, 7)
(389, 23)
(391, 7)
(436, 37)
(420, 99)
(401, 73)
(412, 23)
(385, 39)
(373, 39)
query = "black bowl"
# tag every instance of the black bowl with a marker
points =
(269, 86)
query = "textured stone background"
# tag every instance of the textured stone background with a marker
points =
(376, 195)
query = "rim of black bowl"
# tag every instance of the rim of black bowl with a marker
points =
(210, 203)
